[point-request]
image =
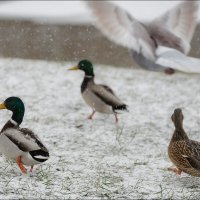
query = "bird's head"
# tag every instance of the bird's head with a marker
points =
(15, 105)
(177, 118)
(86, 66)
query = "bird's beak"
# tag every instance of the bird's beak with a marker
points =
(2, 106)
(74, 68)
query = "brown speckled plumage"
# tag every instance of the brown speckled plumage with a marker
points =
(183, 152)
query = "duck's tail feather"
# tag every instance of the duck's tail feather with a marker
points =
(39, 155)
(122, 107)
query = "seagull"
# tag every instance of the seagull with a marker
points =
(159, 45)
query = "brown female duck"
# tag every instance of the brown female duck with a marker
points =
(183, 152)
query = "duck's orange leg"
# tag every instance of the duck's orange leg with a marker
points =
(31, 170)
(175, 170)
(20, 165)
(90, 116)
(116, 118)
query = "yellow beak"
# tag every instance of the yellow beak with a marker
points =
(74, 68)
(2, 106)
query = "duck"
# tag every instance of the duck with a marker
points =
(159, 45)
(101, 98)
(183, 152)
(20, 144)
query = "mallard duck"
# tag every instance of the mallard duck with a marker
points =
(100, 98)
(183, 152)
(159, 45)
(20, 144)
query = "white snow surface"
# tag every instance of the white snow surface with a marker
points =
(99, 158)
(76, 12)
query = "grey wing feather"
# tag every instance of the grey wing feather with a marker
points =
(107, 95)
(146, 63)
(108, 89)
(164, 37)
(181, 20)
(25, 139)
(34, 137)
(121, 28)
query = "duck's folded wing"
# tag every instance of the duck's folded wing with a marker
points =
(107, 96)
(122, 28)
(24, 139)
(181, 20)
(192, 153)
(107, 88)
(171, 58)
(187, 153)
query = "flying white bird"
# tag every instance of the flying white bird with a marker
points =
(159, 45)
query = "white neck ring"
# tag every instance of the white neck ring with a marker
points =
(13, 122)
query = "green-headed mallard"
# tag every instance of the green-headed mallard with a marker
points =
(183, 152)
(100, 98)
(20, 144)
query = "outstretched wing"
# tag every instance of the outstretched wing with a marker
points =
(172, 58)
(146, 63)
(121, 28)
(181, 20)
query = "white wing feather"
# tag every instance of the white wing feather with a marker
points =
(181, 20)
(171, 58)
(121, 28)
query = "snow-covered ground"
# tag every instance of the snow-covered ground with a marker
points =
(76, 12)
(99, 158)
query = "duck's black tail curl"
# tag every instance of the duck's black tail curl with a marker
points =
(39, 155)
(122, 107)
